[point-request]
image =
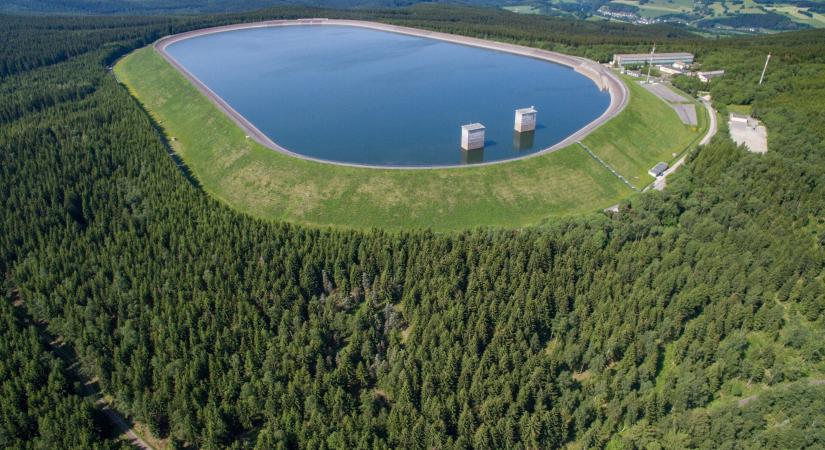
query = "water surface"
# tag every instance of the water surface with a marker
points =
(363, 96)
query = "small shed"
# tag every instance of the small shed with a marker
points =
(472, 136)
(658, 170)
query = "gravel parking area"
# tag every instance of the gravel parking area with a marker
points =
(752, 135)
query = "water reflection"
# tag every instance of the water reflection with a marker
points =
(472, 156)
(524, 140)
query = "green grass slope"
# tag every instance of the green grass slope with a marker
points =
(270, 185)
(646, 132)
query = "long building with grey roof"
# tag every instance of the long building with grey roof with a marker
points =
(632, 59)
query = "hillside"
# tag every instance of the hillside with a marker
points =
(160, 7)
(714, 17)
(692, 318)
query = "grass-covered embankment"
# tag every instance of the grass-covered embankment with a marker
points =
(267, 184)
(646, 132)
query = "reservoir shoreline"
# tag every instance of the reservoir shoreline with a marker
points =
(598, 74)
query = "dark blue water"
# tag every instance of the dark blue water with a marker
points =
(370, 97)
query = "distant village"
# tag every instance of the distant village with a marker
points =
(633, 17)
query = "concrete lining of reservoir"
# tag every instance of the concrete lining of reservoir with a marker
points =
(600, 75)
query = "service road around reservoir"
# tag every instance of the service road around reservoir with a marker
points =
(603, 77)
(661, 182)
(683, 107)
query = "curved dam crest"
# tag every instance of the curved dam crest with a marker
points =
(372, 95)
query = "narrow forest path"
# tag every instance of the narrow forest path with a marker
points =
(88, 386)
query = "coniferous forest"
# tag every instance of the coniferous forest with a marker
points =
(692, 318)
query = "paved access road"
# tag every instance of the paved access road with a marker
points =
(665, 93)
(601, 76)
(685, 108)
(713, 127)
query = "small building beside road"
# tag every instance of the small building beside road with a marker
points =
(658, 170)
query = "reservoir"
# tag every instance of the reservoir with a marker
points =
(355, 95)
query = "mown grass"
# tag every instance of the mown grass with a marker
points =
(646, 132)
(740, 109)
(267, 184)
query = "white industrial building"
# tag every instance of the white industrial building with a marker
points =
(640, 59)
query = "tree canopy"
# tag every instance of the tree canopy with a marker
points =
(692, 318)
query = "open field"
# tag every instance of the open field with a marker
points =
(658, 8)
(719, 9)
(522, 9)
(270, 185)
(816, 20)
(745, 110)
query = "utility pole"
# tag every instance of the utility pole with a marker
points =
(764, 69)
(650, 63)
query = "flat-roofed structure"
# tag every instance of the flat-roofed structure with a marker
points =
(704, 77)
(472, 136)
(658, 170)
(633, 59)
(670, 70)
(525, 119)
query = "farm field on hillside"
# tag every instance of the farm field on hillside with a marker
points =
(711, 18)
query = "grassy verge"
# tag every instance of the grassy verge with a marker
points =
(267, 184)
(646, 132)
(740, 109)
